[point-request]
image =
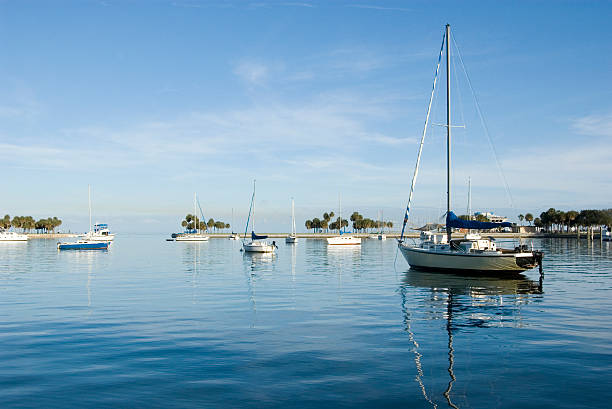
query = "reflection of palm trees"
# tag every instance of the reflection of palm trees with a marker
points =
(466, 297)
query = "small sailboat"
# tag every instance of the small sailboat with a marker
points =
(470, 254)
(381, 228)
(88, 241)
(343, 238)
(258, 244)
(233, 236)
(292, 238)
(194, 234)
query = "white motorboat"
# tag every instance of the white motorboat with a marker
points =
(471, 253)
(257, 243)
(292, 238)
(606, 234)
(194, 234)
(93, 240)
(100, 232)
(12, 236)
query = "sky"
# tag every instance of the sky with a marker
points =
(151, 101)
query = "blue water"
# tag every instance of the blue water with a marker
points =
(160, 324)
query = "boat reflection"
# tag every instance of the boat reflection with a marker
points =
(463, 302)
(256, 260)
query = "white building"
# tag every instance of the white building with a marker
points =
(492, 217)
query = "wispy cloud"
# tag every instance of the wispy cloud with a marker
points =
(594, 125)
(252, 72)
(375, 7)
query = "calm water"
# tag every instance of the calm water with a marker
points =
(160, 324)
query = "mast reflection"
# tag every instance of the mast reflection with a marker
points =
(463, 301)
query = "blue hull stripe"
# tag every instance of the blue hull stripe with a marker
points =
(84, 246)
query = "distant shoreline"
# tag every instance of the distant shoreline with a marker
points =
(50, 235)
(393, 235)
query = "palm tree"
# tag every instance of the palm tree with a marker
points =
(521, 218)
(5, 223)
(529, 218)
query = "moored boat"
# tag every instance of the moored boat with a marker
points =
(84, 245)
(257, 243)
(12, 236)
(292, 237)
(342, 238)
(470, 253)
(194, 234)
(100, 232)
(87, 243)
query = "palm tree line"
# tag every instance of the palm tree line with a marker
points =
(190, 222)
(360, 223)
(27, 223)
(553, 220)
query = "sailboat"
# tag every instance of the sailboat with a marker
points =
(292, 238)
(88, 241)
(257, 243)
(439, 252)
(381, 227)
(195, 234)
(342, 238)
(233, 236)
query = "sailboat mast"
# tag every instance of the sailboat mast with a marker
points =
(195, 212)
(292, 217)
(469, 209)
(253, 204)
(340, 215)
(448, 133)
(89, 199)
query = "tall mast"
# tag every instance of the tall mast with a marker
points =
(253, 204)
(469, 209)
(448, 134)
(340, 214)
(89, 198)
(195, 211)
(292, 217)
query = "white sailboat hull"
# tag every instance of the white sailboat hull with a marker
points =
(192, 237)
(343, 240)
(467, 262)
(291, 239)
(258, 247)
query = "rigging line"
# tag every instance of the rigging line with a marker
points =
(202, 214)
(460, 98)
(484, 125)
(416, 168)
(246, 228)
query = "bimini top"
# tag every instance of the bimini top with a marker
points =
(453, 221)
(256, 237)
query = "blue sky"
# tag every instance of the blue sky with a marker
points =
(149, 101)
